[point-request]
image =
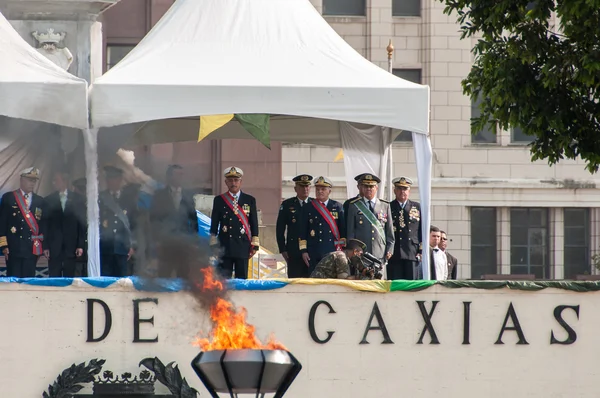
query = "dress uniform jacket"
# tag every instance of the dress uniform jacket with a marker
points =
(166, 218)
(116, 218)
(14, 231)
(316, 237)
(347, 204)
(407, 230)
(288, 220)
(227, 227)
(65, 230)
(360, 228)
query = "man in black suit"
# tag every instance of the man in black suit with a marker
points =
(406, 218)
(117, 218)
(452, 261)
(65, 230)
(438, 262)
(22, 226)
(234, 226)
(288, 218)
(173, 209)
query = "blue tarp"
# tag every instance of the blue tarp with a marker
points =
(147, 284)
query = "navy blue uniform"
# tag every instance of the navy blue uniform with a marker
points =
(232, 236)
(17, 236)
(289, 220)
(116, 216)
(408, 239)
(316, 238)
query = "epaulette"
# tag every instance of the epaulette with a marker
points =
(385, 201)
(355, 200)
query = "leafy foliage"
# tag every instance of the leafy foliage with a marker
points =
(530, 74)
(170, 376)
(70, 380)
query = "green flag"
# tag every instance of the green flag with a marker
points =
(257, 125)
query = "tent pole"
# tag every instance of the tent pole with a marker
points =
(90, 138)
(390, 167)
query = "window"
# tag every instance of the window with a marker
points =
(344, 7)
(115, 53)
(577, 242)
(519, 137)
(406, 8)
(529, 242)
(412, 75)
(483, 241)
(485, 136)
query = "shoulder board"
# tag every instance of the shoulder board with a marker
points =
(385, 201)
(355, 200)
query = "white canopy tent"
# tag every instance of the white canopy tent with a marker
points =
(34, 88)
(279, 57)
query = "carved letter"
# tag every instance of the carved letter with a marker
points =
(428, 325)
(137, 321)
(90, 320)
(572, 336)
(466, 322)
(375, 313)
(516, 326)
(311, 322)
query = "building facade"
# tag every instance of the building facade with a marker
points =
(503, 213)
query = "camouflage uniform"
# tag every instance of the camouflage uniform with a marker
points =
(336, 265)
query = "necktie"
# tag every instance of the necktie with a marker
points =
(28, 200)
(371, 207)
(301, 203)
(436, 250)
(63, 200)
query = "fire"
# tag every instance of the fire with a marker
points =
(231, 331)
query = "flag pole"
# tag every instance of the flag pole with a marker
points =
(390, 167)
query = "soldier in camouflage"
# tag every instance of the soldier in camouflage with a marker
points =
(338, 264)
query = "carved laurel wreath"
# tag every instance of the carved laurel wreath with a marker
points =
(72, 379)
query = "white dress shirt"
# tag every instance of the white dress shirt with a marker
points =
(302, 202)
(441, 264)
(235, 196)
(63, 198)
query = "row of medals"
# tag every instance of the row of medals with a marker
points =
(235, 211)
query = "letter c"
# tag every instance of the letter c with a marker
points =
(311, 322)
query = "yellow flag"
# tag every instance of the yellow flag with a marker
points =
(208, 124)
(339, 156)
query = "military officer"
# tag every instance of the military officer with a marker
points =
(322, 225)
(79, 186)
(289, 215)
(116, 225)
(406, 215)
(370, 219)
(338, 264)
(22, 224)
(234, 225)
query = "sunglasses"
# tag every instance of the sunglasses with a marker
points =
(444, 238)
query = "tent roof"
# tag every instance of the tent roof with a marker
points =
(34, 88)
(281, 57)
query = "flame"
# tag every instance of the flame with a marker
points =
(231, 330)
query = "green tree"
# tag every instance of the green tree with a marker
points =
(532, 75)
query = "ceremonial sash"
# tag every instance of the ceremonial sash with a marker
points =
(36, 237)
(240, 213)
(324, 212)
(361, 206)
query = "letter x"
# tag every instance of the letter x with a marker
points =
(428, 326)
